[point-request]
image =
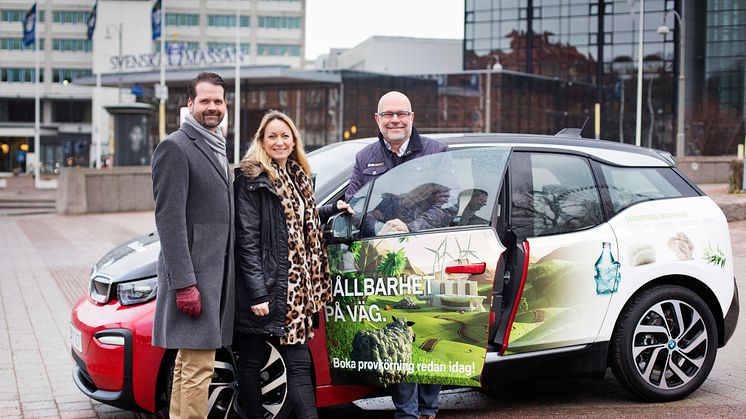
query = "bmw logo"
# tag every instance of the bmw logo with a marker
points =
(671, 345)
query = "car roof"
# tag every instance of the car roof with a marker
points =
(607, 151)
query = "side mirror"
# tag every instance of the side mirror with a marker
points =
(339, 228)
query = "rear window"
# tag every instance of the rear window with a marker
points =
(630, 185)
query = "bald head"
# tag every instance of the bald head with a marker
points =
(394, 98)
(395, 118)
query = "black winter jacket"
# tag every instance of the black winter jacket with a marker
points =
(261, 255)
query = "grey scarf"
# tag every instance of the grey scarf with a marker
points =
(214, 139)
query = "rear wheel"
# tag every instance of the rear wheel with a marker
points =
(664, 344)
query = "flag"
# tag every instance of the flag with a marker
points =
(29, 26)
(92, 20)
(155, 19)
(632, 7)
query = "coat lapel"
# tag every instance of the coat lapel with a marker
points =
(202, 145)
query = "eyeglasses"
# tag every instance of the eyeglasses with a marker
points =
(387, 116)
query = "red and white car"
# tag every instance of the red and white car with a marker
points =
(661, 301)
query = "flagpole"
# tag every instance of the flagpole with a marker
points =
(162, 106)
(237, 91)
(37, 92)
(638, 119)
(97, 120)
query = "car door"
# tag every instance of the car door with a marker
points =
(566, 268)
(412, 293)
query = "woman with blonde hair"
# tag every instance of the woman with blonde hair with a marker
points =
(282, 274)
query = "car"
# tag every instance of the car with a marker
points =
(524, 257)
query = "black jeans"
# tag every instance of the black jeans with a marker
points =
(252, 353)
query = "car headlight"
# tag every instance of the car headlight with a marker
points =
(137, 292)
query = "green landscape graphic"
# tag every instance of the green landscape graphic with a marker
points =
(397, 316)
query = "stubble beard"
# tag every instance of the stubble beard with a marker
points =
(203, 120)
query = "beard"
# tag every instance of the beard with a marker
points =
(398, 136)
(202, 119)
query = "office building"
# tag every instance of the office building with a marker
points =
(198, 33)
(595, 42)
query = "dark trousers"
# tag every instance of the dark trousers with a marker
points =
(300, 392)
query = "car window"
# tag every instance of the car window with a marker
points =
(333, 162)
(452, 189)
(552, 194)
(629, 185)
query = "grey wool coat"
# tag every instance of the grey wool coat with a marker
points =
(194, 218)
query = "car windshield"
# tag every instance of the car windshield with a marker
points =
(331, 162)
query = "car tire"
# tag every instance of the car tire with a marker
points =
(664, 344)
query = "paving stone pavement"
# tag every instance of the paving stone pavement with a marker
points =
(44, 264)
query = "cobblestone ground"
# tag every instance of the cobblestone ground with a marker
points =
(44, 265)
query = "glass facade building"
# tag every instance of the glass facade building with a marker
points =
(595, 42)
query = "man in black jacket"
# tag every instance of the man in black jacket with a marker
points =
(398, 142)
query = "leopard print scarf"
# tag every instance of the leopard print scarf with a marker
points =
(309, 283)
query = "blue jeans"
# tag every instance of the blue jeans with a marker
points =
(413, 400)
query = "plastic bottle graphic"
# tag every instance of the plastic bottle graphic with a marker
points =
(607, 271)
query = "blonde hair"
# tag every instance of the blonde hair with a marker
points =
(257, 154)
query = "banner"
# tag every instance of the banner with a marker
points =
(92, 21)
(155, 20)
(29, 27)
(406, 309)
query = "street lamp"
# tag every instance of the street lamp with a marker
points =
(118, 28)
(665, 30)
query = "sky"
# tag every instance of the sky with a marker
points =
(346, 23)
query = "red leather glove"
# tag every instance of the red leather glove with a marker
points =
(189, 302)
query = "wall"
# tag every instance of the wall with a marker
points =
(117, 189)
(705, 169)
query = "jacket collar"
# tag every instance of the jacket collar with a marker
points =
(202, 145)
(415, 142)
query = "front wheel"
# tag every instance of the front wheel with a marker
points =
(664, 344)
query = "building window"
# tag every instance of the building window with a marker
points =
(19, 75)
(59, 75)
(70, 17)
(177, 46)
(71, 111)
(18, 15)
(279, 22)
(227, 21)
(278, 50)
(16, 44)
(72, 45)
(221, 46)
(182, 19)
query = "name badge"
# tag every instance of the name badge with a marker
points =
(377, 164)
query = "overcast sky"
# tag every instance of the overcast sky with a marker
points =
(346, 23)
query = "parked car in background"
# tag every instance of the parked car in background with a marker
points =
(564, 256)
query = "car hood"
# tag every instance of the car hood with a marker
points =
(134, 259)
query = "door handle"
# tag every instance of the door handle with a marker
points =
(469, 268)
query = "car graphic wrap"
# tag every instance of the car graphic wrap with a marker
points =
(412, 308)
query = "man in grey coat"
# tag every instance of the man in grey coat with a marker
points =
(194, 216)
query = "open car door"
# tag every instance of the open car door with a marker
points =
(414, 272)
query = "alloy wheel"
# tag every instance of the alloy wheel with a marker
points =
(273, 377)
(669, 344)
